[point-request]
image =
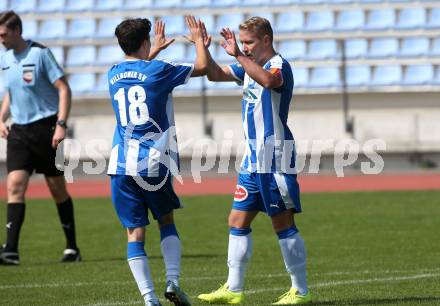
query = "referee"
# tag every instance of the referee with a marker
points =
(38, 98)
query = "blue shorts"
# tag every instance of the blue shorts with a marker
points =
(132, 202)
(272, 193)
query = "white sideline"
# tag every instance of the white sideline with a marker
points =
(318, 285)
(427, 273)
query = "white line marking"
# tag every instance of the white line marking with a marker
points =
(318, 285)
(325, 284)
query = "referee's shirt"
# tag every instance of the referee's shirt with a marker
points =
(29, 78)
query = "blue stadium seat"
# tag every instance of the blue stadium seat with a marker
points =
(253, 3)
(102, 85)
(357, 76)
(80, 55)
(411, 18)
(227, 86)
(221, 55)
(322, 49)
(166, 3)
(434, 18)
(51, 5)
(325, 77)
(301, 77)
(194, 84)
(30, 29)
(3, 5)
(418, 75)
(209, 23)
(23, 6)
(387, 75)
(109, 54)
(231, 21)
(350, 20)
(196, 3)
(107, 26)
(58, 53)
(414, 46)
(190, 52)
(289, 22)
(320, 21)
(340, 1)
(225, 3)
(174, 24)
(81, 28)
(381, 19)
(175, 52)
(312, 1)
(52, 29)
(384, 47)
(108, 5)
(436, 79)
(292, 49)
(268, 16)
(356, 48)
(82, 82)
(435, 49)
(83, 5)
(284, 2)
(136, 4)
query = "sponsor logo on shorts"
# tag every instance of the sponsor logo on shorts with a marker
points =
(240, 194)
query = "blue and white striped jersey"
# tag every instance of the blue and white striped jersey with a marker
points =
(144, 142)
(269, 142)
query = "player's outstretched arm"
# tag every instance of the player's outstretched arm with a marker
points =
(215, 71)
(196, 35)
(4, 115)
(256, 72)
(160, 41)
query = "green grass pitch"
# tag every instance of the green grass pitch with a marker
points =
(363, 249)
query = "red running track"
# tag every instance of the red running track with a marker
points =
(226, 185)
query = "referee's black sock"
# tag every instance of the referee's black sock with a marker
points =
(65, 212)
(15, 218)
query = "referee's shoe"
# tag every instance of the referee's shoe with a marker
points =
(8, 257)
(71, 255)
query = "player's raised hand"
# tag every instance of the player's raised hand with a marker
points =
(195, 29)
(230, 43)
(160, 41)
(206, 37)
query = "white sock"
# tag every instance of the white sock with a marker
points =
(239, 253)
(171, 252)
(294, 254)
(141, 273)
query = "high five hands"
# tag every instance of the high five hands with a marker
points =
(230, 42)
(197, 28)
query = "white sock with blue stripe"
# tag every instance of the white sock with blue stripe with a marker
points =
(239, 253)
(171, 251)
(294, 254)
(138, 262)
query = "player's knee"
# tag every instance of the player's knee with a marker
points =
(16, 189)
(166, 219)
(282, 221)
(238, 221)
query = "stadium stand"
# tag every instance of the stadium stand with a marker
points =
(52, 29)
(391, 46)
